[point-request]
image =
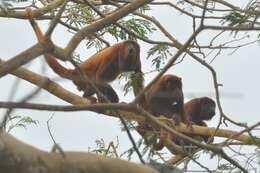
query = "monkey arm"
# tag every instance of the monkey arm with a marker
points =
(107, 91)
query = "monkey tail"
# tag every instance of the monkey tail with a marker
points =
(51, 60)
(58, 68)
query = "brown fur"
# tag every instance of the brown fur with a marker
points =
(164, 98)
(197, 111)
(200, 110)
(161, 96)
(101, 68)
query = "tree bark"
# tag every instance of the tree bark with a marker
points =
(16, 156)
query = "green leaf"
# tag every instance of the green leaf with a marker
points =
(21, 122)
(138, 26)
(160, 53)
(226, 167)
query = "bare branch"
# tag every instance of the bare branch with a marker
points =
(36, 13)
(21, 59)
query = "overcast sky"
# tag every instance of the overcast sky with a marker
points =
(239, 74)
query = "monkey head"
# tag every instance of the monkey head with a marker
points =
(165, 97)
(207, 109)
(129, 57)
(172, 91)
(200, 109)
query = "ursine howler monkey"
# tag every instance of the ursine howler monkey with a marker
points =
(199, 110)
(164, 97)
(101, 68)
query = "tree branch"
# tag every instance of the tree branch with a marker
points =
(125, 112)
(16, 155)
(36, 13)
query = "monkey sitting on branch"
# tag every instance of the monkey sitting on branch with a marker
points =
(101, 68)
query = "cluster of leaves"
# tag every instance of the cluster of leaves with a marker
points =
(226, 167)
(235, 18)
(6, 4)
(145, 148)
(160, 54)
(94, 43)
(246, 17)
(103, 149)
(137, 26)
(134, 81)
(129, 123)
(144, 8)
(79, 15)
(20, 121)
(129, 153)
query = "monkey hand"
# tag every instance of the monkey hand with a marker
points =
(164, 134)
(165, 120)
(92, 100)
(189, 124)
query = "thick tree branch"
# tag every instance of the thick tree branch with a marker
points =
(48, 85)
(125, 109)
(21, 59)
(16, 155)
(36, 13)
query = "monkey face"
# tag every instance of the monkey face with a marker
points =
(207, 108)
(129, 57)
(165, 97)
(173, 89)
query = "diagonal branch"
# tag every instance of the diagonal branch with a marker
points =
(48, 85)
(96, 26)
(21, 59)
(36, 13)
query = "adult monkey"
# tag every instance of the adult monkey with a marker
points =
(199, 110)
(101, 68)
(164, 97)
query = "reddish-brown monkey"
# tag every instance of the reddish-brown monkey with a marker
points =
(164, 98)
(200, 110)
(101, 68)
(197, 110)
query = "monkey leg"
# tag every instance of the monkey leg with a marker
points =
(108, 92)
(164, 134)
(88, 92)
(207, 139)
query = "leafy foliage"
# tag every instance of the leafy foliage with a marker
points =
(144, 8)
(129, 123)
(106, 149)
(95, 43)
(134, 81)
(247, 17)
(160, 52)
(21, 122)
(6, 4)
(139, 27)
(235, 19)
(129, 153)
(226, 167)
(79, 15)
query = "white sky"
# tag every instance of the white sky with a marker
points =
(239, 74)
